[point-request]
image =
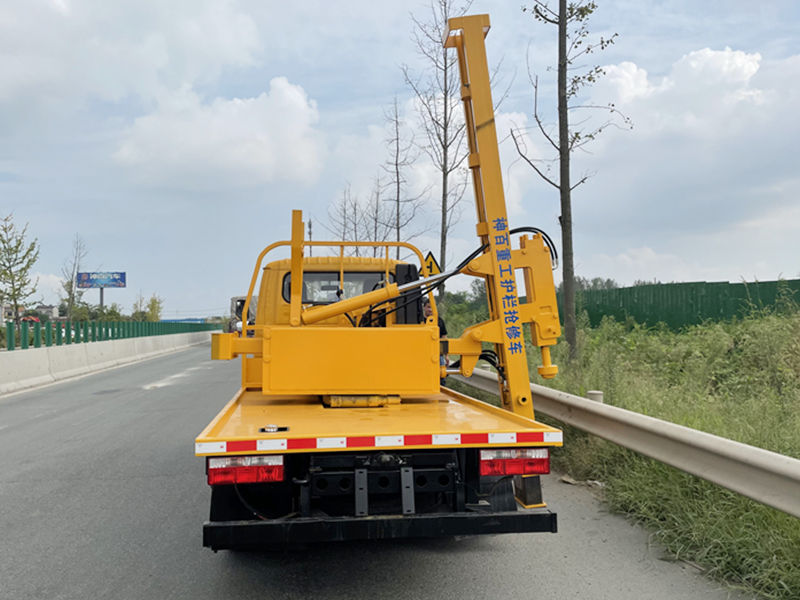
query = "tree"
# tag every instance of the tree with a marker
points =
(17, 258)
(69, 271)
(139, 311)
(438, 96)
(154, 307)
(377, 220)
(110, 313)
(346, 219)
(595, 283)
(572, 21)
(401, 157)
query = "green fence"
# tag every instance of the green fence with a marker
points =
(36, 335)
(681, 304)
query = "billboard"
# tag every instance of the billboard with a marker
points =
(101, 280)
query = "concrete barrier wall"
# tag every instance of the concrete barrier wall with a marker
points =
(23, 369)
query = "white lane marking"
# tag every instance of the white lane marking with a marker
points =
(167, 380)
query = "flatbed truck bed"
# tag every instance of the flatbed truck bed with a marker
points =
(445, 420)
(429, 446)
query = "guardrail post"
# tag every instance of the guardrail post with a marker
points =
(37, 335)
(59, 334)
(68, 332)
(48, 334)
(86, 332)
(94, 331)
(24, 335)
(595, 395)
(10, 333)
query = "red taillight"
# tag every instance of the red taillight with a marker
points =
(517, 461)
(245, 469)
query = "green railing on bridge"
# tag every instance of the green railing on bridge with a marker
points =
(682, 304)
(61, 333)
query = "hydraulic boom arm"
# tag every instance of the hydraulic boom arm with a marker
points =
(500, 262)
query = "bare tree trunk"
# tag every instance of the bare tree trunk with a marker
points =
(440, 104)
(70, 270)
(568, 267)
(397, 188)
(571, 18)
(443, 236)
(402, 157)
(446, 169)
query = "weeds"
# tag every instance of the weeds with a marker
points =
(739, 380)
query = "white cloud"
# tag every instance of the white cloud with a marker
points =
(644, 264)
(627, 81)
(241, 142)
(49, 287)
(709, 147)
(75, 50)
(709, 67)
(705, 180)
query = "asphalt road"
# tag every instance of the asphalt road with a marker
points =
(101, 496)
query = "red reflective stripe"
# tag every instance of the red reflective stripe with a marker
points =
(246, 446)
(361, 442)
(523, 437)
(301, 443)
(530, 436)
(418, 440)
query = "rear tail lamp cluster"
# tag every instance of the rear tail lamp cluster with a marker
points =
(245, 469)
(518, 461)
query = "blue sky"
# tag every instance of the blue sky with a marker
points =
(177, 137)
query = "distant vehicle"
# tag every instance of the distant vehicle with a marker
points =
(30, 319)
(237, 306)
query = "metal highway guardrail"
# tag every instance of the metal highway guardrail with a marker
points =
(767, 477)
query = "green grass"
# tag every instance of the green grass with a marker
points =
(738, 380)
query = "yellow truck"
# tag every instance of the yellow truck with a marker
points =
(341, 429)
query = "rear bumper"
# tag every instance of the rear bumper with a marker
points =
(244, 535)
